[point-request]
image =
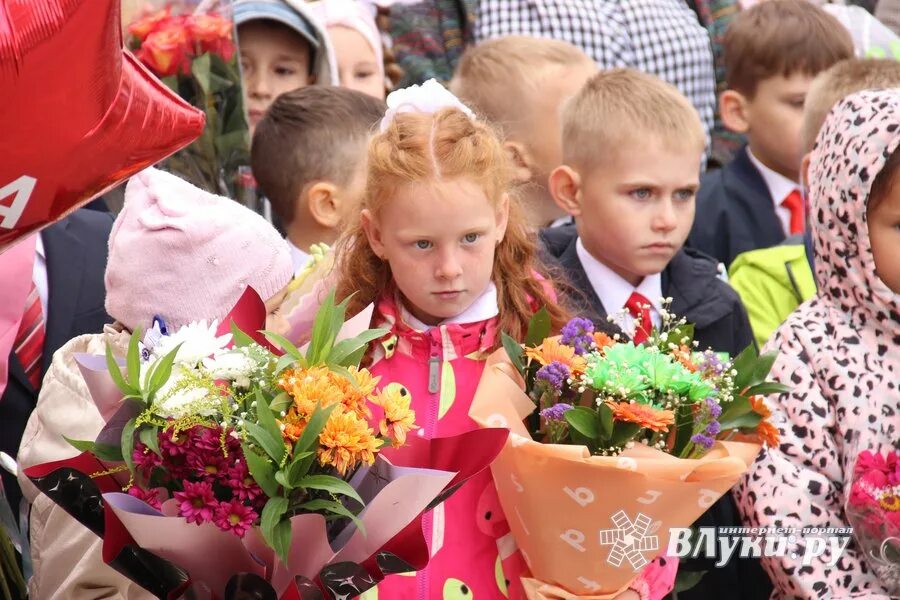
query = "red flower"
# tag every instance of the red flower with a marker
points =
(197, 502)
(141, 28)
(212, 33)
(166, 51)
(235, 517)
(151, 497)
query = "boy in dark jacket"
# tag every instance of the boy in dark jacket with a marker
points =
(632, 149)
(772, 53)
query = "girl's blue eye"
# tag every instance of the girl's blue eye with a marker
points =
(423, 244)
(471, 238)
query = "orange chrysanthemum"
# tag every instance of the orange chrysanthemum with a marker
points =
(355, 397)
(767, 432)
(346, 442)
(310, 388)
(552, 351)
(644, 415)
(683, 355)
(293, 428)
(399, 418)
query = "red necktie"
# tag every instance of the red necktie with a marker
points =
(794, 203)
(639, 308)
(29, 343)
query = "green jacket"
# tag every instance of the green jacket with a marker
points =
(772, 282)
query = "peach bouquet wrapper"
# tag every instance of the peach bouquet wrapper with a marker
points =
(587, 525)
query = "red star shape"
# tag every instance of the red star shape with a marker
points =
(78, 114)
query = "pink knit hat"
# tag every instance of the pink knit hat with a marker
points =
(184, 254)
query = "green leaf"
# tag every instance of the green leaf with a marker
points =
(769, 387)
(200, 68)
(128, 444)
(739, 406)
(623, 433)
(282, 478)
(133, 360)
(149, 436)
(330, 484)
(675, 336)
(321, 329)
(585, 421)
(300, 467)
(161, 371)
(262, 471)
(81, 445)
(105, 452)
(744, 365)
(748, 420)
(684, 428)
(761, 369)
(281, 402)
(240, 338)
(272, 446)
(116, 373)
(266, 419)
(333, 507)
(310, 435)
(282, 342)
(538, 328)
(287, 361)
(606, 421)
(515, 352)
(269, 523)
(348, 348)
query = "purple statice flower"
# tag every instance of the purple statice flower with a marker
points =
(713, 428)
(710, 365)
(555, 374)
(715, 409)
(703, 440)
(556, 412)
(579, 334)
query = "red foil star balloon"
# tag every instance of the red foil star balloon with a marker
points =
(78, 114)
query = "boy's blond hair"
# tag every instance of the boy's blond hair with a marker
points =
(781, 37)
(624, 104)
(842, 79)
(496, 78)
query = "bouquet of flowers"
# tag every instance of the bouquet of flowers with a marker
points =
(669, 428)
(246, 447)
(873, 509)
(194, 54)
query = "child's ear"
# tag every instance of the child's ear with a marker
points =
(733, 109)
(804, 170)
(565, 187)
(519, 158)
(324, 204)
(502, 217)
(373, 232)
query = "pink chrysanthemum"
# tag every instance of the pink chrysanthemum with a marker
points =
(208, 464)
(234, 516)
(145, 458)
(173, 445)
(242, 483)
(197, 502)
(151, 497)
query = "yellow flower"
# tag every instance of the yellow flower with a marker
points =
(311, 387)
(399, 418)
(552, 351)
(347, 441)
(642, 414)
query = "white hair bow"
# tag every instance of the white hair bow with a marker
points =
(427, 98)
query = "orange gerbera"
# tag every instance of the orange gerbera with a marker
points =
(310, 388)
(347, 441)
(399, 418)
(683, 355)
(602, 340)
(644, 415)
(552, 351)
(767, 432)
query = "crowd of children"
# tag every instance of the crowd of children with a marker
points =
(545, 180)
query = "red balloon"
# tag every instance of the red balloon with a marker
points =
(78, 113)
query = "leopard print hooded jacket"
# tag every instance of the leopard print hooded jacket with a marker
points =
(841, 353)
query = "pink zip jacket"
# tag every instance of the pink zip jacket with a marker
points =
(472, 551)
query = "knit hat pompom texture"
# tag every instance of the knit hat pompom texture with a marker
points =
(183, 254)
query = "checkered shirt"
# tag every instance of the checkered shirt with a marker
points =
(660, 37)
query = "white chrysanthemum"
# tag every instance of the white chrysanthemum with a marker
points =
(198, 341)
(233, 366)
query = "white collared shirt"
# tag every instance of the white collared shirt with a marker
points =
(779, 187)
(298, 257)
(614, 291)
(483, 308)
(39, 274)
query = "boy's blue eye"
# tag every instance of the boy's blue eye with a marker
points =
(471, 238)
(641, 193)
(423, 244)
(684, 195)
